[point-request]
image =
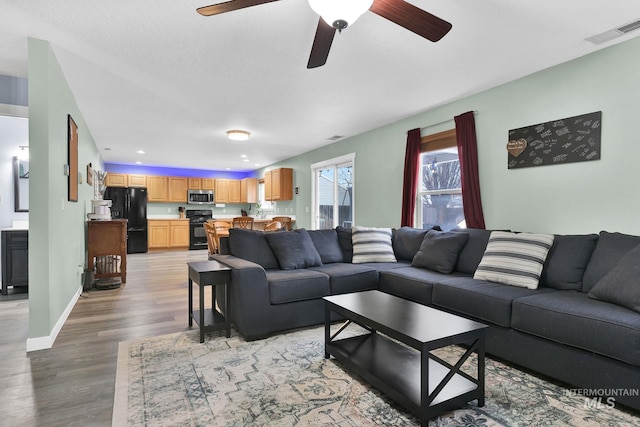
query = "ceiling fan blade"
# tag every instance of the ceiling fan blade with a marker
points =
(229, 6)
(321, 44)
(412, 18)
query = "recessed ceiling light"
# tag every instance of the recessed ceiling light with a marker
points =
(138, 163)
(238, 135)
(245, 160)
(257, 164)
(244, 156)
(228, 169)
(140, 151)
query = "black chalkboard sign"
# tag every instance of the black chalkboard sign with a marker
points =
(574, 139)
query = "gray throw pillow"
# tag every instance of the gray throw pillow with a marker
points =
(567, 260)
(294, 249)
(406, 242)
(439, 251)
(344, 239)
(252, 246)
(472, 252)
(621, 286)
(327, 244)
(611, 247)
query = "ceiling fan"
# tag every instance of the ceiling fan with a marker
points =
(338, 14)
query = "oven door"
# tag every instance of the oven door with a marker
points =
(197, 236)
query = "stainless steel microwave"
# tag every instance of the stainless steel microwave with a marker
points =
(200, 197)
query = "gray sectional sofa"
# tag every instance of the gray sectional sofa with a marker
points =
(559, 329)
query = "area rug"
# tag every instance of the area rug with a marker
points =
(284, 380)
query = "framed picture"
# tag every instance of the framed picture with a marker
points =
(72, 142)
(89, 174)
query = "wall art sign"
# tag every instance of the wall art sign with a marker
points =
(72, 145)
(574, 139)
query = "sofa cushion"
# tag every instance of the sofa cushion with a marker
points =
(294, 249)
(411, 283)
(345, 278)
(406, 241)
(371, 244)
(586, 323)
(252, 246)
(610, 249)
(621, 286)
(514, 259)
(439, 251)
(344, 239)
(567, 260)
(296, 285)
(471, 253)
(386, 266)
(327, 244)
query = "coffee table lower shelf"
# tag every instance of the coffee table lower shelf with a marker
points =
(396, 370)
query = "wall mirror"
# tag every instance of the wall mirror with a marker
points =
(21, 185)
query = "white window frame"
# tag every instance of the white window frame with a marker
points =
(419, 194)
(336, 162)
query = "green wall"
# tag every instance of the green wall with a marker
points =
(571, 198)
(56, 226)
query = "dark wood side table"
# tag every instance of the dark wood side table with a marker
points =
(210, 273)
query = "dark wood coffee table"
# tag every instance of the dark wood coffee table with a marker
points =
(409, 374)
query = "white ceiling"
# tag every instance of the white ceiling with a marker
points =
(154, 75)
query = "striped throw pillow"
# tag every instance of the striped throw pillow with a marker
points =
(514, 258)
(372, 245)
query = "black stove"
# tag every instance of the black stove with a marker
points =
(197, 233)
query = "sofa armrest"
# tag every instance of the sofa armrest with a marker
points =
(249, 295)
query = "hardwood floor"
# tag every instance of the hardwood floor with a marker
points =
(72, 384)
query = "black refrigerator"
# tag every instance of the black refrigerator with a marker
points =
(130, 204)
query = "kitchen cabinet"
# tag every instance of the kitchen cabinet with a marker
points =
(177, 189)
(227, 191)
(170, 233)
(115, 180)
(208, 184)
(195, 183)
(278, 184)
(15, 259)
(157, 189)
(249, 190)
(136, 180)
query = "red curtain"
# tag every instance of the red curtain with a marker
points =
(468, 155)
(411, 169)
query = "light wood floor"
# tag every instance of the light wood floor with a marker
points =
(72, 384)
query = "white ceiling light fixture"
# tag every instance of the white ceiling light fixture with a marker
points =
(340, 13)
(238, 135)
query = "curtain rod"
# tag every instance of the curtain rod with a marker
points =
(475, 113)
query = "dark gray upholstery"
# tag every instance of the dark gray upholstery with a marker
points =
(572, 318)
(411, 283)
(439, 250)
(296, 285)
(345, 278)
(294, 249)
(252, 246)
(386, 266)
(567, 260)
(327, 245)
(344, 239)
(610, 249)
(483, 300)
(621, 286)
(406, 242)
(471, 253)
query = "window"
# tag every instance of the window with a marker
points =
(440, 191)
(265, 205)
(333, 192)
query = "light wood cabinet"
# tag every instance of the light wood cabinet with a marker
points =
(249, 190)
(278, 184)
(177, 189)
(157, 188)
(208, 184)
(115, 180)
(136, 180)
(179, 233)
(227, 191)
(168, 233)
(195, 183)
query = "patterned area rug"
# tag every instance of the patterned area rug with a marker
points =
(173, 380)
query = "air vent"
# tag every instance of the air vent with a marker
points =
(335, 137)
(614, 33)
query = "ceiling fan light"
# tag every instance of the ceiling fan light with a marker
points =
(238, 135)
(340, 13)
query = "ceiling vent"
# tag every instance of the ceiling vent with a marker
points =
(335, 137)
(614, 33)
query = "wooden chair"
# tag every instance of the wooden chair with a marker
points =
(211, 238)
(273, 226)
(243, 222)
(285, 220)
(215, 230)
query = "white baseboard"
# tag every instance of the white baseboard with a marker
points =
(43, 343)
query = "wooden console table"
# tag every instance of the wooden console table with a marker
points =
(108, 239)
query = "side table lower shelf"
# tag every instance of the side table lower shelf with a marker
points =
(214, 274)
